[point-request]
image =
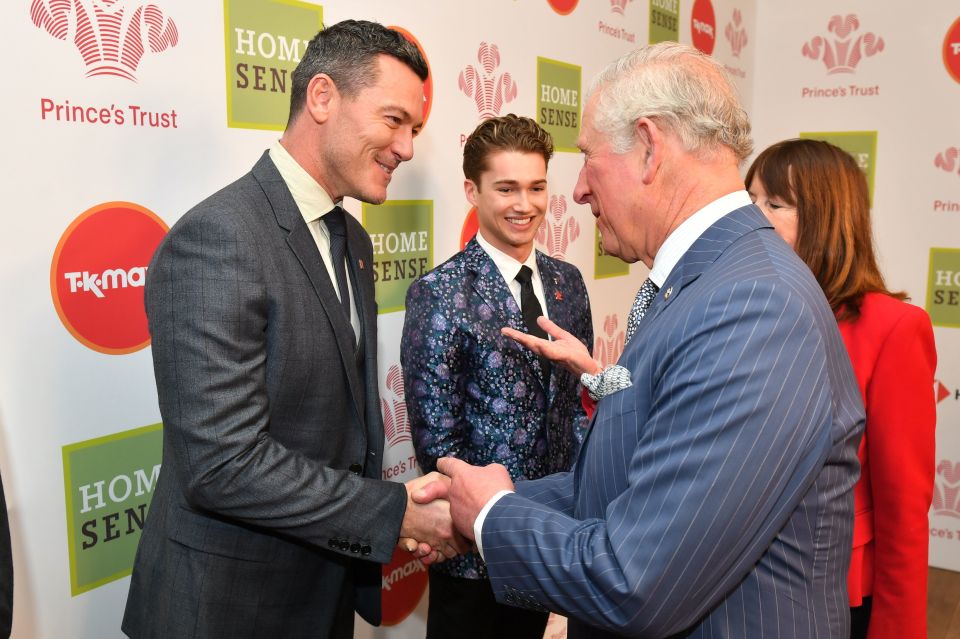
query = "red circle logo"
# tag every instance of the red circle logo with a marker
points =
(703, 26)
(404, 581)
(471, 224)
(428, 85)
(98, 272)
(563, 7)
(951, 50)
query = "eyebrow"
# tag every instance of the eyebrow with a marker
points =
(511, 181)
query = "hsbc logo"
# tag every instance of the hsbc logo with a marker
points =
(489, 89)
(943, 393)
(111, 36)
(114, 278)
(843, 49)
(556, 234)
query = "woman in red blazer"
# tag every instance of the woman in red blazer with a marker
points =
(816, 197)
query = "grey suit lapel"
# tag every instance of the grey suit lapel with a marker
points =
(303, 245)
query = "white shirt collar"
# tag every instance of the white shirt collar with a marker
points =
(690, 230)
(312, 200)
(507, 265)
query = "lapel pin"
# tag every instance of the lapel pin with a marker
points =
(557, 295)
(668, 293)
(361, 264)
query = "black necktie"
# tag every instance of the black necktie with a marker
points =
(337, 227)
(530, 309)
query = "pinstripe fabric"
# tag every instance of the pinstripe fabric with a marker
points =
(713, 497)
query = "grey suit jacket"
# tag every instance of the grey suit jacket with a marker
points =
(269, 515)
(713, 498)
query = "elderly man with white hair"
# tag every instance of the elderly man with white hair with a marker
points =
(712, 495)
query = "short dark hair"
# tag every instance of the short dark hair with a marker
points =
(505, 133)
(834, 234)
(347, 52)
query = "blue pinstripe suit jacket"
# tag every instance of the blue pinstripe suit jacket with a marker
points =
(713, 498)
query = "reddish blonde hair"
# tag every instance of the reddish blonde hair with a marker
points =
(834, 233)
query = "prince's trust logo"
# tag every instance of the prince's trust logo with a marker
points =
(736, 33)
(111, 36)
(841, 52)
(608, 347)
(556, 234)
(396, 426)
(488, 89)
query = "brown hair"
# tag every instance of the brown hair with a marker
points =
(505, 133)
(834, 234)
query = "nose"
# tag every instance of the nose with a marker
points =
(523, 203)
(581, 190)
(403, 143)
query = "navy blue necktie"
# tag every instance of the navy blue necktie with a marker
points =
(337, 227)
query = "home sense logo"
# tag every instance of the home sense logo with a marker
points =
(490, 90)
(943, 287)
(402, 236)
(558, 102)
(862, 145)
(951, 50)
(110, 35)
(842, 51)
(109, 482)
(264, 41)
(556, 234)
(98, 272)
(664, 21)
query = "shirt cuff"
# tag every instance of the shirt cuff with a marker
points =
(478, 522)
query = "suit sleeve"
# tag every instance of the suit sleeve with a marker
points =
(208, 310)
(736, 432)
(432, 376)
(901, 422)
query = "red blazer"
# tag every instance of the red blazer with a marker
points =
(894, 357)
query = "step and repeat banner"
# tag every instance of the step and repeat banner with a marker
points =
(882, 80)
(122, 114)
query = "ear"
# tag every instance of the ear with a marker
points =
(322, 97)
(470, 190)
(650, 147)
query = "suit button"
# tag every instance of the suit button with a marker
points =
(344, 545)
(366, 550)
(333, 543)
(354, 548)
(356, 469)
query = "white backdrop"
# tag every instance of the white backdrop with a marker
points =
(57, 390)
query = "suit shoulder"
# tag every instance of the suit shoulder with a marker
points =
(440, 279)
(224, 207)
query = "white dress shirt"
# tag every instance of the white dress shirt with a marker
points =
(313, 202)
(509, 267)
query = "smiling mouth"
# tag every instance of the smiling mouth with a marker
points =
(520, 221)
(387, 169)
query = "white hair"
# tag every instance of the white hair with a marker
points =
(680, 88)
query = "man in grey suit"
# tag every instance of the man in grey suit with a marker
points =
(712, 496)
(270, 518)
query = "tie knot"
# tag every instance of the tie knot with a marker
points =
(525, 276)
(336, 221)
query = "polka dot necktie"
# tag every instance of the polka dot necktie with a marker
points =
(640, 305)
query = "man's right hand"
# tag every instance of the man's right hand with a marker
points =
(427, 527)
(564, 349)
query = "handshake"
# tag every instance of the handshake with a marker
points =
(443, 506)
